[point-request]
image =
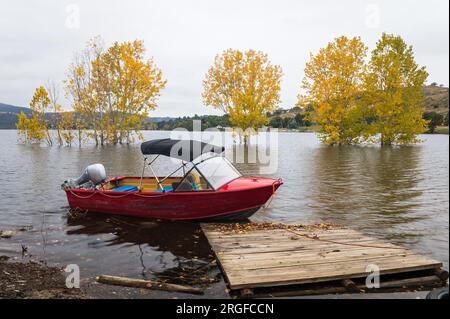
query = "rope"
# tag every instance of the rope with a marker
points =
(340, 243)
(115, 196)
(280, 180)
(83, 197)
(151, 196)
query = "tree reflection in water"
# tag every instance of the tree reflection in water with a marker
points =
(373, 188)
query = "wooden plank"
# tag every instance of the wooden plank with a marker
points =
(426, 281)
(268, 248)
(313, 274)
(318, 267)
(411, 282)
(291, 240)
(305, 248)
(309, 261)
(278, 257)
(300, 253)
(319, 270)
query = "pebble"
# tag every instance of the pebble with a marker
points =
(7, 233)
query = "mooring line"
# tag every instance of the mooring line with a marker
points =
(346, 244)
(115, 196)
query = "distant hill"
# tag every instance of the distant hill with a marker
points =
(436, 100)
(9, 115)
(6, 108)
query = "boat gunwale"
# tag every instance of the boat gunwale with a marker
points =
(199, 192)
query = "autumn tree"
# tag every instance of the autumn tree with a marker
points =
(22, 126)
(36, 128)
(130, 86)
(30, 130)
(66, 127)
(85, 91)
(113, 90)
(394, 85)
(55, 108)
(244, 85)
(332, 87)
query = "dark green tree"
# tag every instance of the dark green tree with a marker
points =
(435, 119)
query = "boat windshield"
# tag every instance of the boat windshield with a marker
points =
(217, 171)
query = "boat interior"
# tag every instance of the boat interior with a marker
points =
(192, 182)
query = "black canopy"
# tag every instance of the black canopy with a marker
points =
(186, 150)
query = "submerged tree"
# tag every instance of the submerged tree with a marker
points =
(22, 126)
(394, 86)
(333, 84)
(39, 105)
(244, 85)
(55, 107)
(84, 91)
(354, 101)
(131, 88)
(66, 127)
(113, 90)
(36, 128)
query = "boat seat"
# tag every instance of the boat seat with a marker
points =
(183, 187)
(127, 188)
(165, 189)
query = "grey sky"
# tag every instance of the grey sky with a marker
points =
(39, 38)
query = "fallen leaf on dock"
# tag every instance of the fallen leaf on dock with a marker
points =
(242, 228)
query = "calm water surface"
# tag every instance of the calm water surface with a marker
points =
(400, 194)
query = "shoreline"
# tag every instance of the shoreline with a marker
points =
(34, 280)
(440, 130)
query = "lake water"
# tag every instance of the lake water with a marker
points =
(400, 194)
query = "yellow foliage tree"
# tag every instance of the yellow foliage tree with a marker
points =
(35, 129)
(131, 89)
(394, 85)
(333, 85)
(30, 130)
(244, 85)
(113, 90)
(85, 92)
(66, 127)
(22, 125)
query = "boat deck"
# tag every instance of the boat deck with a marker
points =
(342, 258)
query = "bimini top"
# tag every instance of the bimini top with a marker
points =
(186, 150)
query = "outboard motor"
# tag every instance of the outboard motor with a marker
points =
(93, 175)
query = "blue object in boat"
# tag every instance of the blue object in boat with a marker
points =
(128, 188)
(166, 189)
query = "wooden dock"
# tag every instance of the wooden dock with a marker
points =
(302, 257)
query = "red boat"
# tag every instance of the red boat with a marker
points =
(209, 188)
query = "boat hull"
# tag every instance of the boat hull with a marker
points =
(239, 199)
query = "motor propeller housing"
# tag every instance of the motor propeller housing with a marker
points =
(94, 174)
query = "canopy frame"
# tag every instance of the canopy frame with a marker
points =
(186, 171)
(164, 147)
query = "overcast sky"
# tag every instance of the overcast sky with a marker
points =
(39, 38)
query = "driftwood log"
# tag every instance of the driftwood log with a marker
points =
(147, 284)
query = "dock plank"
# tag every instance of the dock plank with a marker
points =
(279, 257)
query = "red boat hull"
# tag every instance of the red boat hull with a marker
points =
(239, 199)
